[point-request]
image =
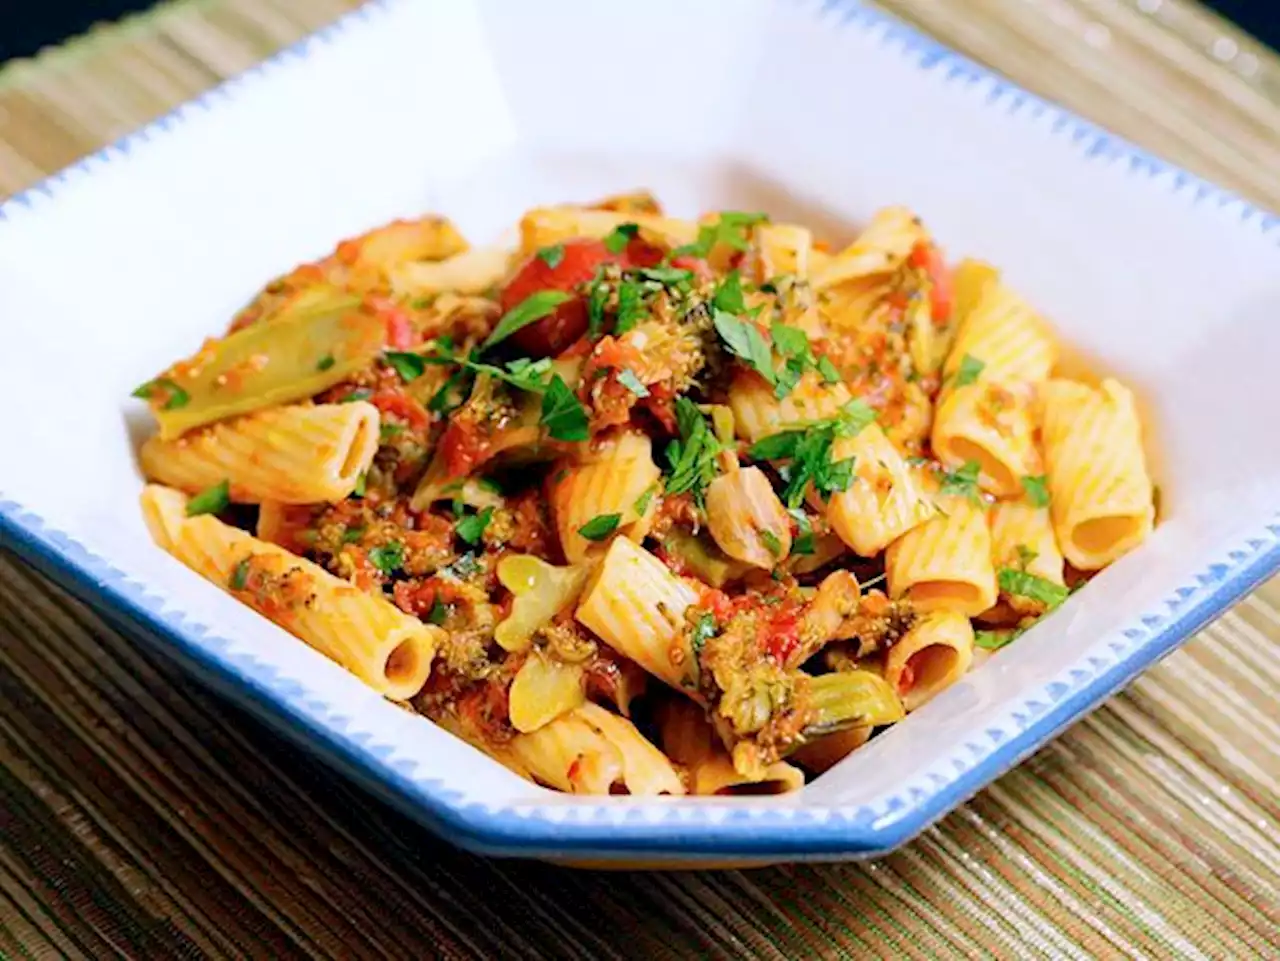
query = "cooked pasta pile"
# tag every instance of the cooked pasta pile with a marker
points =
(646, 505)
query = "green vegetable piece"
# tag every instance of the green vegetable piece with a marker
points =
(848, 699)
(387, 558)
(278, 361)
(563, 415)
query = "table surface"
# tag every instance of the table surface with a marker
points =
(141, 816)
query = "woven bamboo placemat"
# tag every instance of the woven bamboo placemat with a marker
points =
(143, 817)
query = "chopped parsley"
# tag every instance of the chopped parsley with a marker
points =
(600, 526)
(1025, 556)
(630, 306)
(969, 371)
(828, 370)
(692, 457)
(563, 415)
(360, 393)
(352, 534)
(1037, 490)
(804, 540)
(617, 239)
(387, 558)
(597, 300)
(728, 295)
(1021, 584)
(472, 528)
(771, 543)
(642, 502)
(994, 640)
(438, 611)
(628, 379)
(240, 575)
(667, 276)
(325, 362)
(211, 500)
(450, 394)
(551, 256)
(704, 628)
(730, 229)
(963, 481)
(530, 310)
(388, 431)
(176, 396)
(408, 365)
(744, 340)
(807, 451)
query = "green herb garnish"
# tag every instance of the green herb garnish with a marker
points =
(408, 365)
(563, 415)
(325, 362)
(240, 575)
(211, 500)
(771, 543)
(1037, 490)
(969, 371)
(472, 528)
(387, 558)
(438, 612)
(600, 526)
(692, 457)
(177, 397)
(642, 502)
(530, 310)
(1021, 584)
(963, 481)
(617, 239)
(551, 256)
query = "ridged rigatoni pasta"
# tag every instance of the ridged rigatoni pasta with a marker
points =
(386, 648)
(591, 751)
(945, 563)
(991, 423)
(610, 480)
(1007, 336)
(636, 606)
(886, 498)
(301, 454)
(930, 657)
(757, 412)
(1102, 498)
(882, 247)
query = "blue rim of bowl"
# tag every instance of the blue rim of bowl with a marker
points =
(595, 830)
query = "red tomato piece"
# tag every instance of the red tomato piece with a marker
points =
(463, 448)
(396, 401)
(929, 258)
(577, 265)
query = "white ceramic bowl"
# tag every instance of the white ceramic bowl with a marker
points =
(819, 113)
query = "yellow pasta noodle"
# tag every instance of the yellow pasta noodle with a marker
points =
(1102, 500)
(552, 225)
(610, 479)
(930, 657)
(372, 638)
(299, 454)
(758, 413)
(591, 751)
(990, 423)
(886, 498)
(882, 248)
(782, 249)
(945, 563)
(636, 606)
(1022, 538)
(690, 741)
(1003, 333)
(746, 518)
